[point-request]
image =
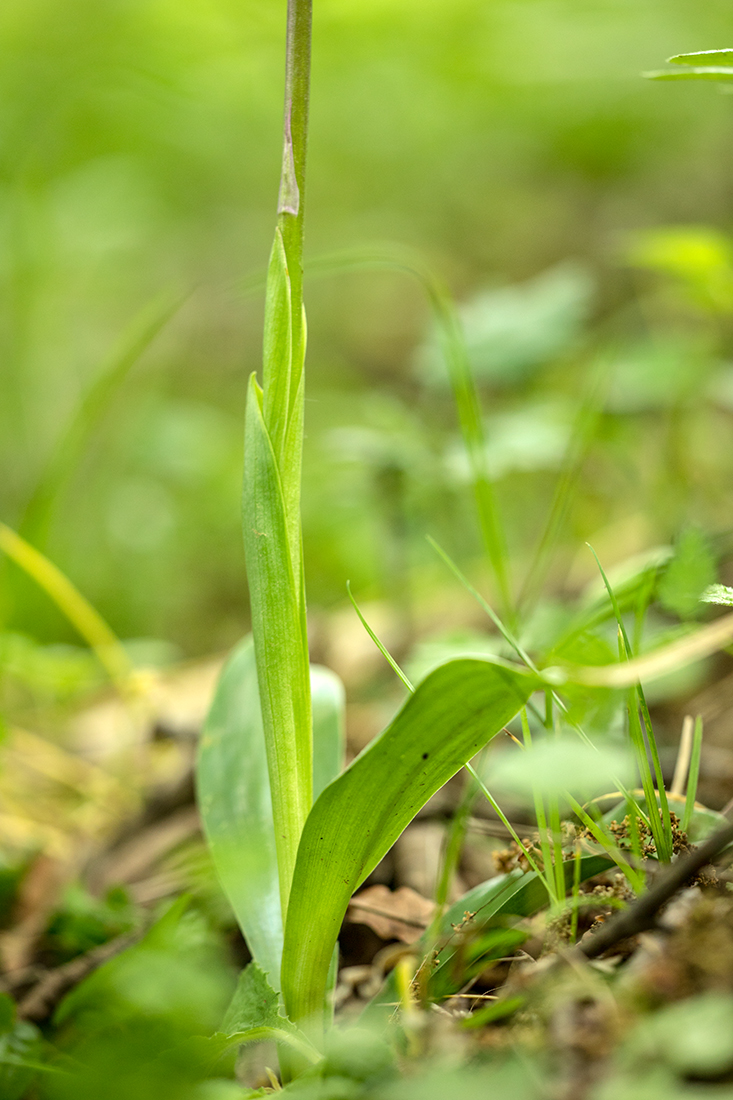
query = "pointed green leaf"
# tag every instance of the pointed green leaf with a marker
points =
(234, 794)
(278, 629)
(718, 593)
(519, 893)
(277, 348)
(703, 57)
(721, 75)
(355, 821)
(290, 471)
(254, 1004)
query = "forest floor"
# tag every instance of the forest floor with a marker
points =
(107, 818)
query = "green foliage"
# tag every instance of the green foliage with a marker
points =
(83, 922)
(511, 332)
(278, 626)
(562, 763)
(698, 257)
(688, 575)
(20, 1051)
(254, 1004)
(235, 801)
(719, 594)
(144, 1025)
(694, 1037)
(452, 714)
(138, 1025)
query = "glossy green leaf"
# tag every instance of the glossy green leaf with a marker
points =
(234, 794)
(277, 347)
(722, 75)
(703, 57)
(236, 808)
(278, 626)
(454, 712)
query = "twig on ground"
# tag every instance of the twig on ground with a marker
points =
(41, 1000)
(641, 916)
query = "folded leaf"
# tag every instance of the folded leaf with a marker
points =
(278, 623)
(277, 347)
(454, 712)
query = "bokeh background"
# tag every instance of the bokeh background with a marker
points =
(578, 213)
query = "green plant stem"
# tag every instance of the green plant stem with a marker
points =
(295, 145)
(575, 895)
(272, 480)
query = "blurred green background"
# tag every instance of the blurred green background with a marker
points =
(512, 143)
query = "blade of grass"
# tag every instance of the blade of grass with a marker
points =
(694, 647)
(506, 634)
(600, 834)
(665, 852)
(694, 774)
(75, 438)
(586, 419)
(544, 877)
(524, 656)
(539, 805)
(684, 754)
(382, 648)
(80, 613)
(453, 346)
(664, 849)
(575, 895)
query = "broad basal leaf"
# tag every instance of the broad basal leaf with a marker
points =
(452, 715)
(234, 795)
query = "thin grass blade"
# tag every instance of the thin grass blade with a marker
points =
(77, 609)
(693, 775)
